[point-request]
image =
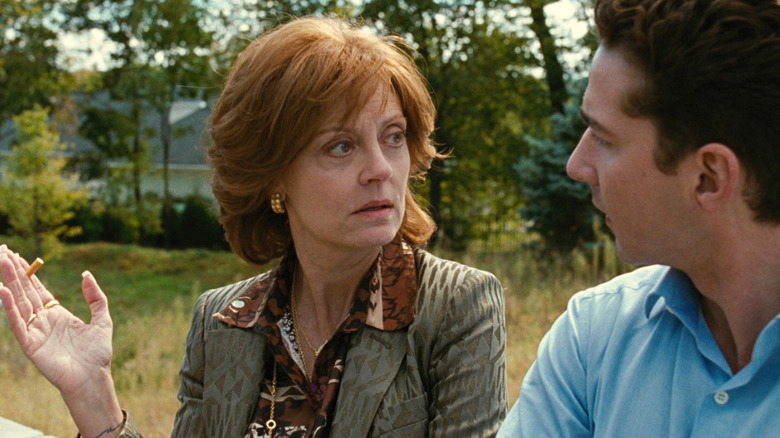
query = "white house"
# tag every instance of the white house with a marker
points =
(187, 168)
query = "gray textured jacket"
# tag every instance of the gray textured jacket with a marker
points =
(445, 375)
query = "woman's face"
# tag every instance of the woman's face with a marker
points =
(346, 189)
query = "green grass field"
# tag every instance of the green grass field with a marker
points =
(151, 294)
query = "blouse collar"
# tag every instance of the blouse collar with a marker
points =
(385, 298)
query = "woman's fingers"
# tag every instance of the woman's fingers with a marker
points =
(98, 303)
(34, 291)
(45, 295)
(26, 297)
(15, 321)
(11, 270)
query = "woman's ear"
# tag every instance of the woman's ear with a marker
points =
(719, 173)
(278, 187)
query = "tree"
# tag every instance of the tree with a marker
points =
(111, 130)
(163, 54)
(554, 76)
(35, 195)
(483, 75)
(181, 43)
(29, 73)
(557, 207)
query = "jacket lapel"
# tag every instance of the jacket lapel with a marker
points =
(372, 363)
(235, 367)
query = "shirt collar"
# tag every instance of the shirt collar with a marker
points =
(679, 295)
(385, 298)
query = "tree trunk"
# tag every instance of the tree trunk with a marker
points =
(552, 65)
(136, 169)
(165, 134)
(37, 233)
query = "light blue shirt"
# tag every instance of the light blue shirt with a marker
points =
(634, 357)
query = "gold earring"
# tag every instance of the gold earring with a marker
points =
(276, 203)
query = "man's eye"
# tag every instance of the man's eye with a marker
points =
(600, 141)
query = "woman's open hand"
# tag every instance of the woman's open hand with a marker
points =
(74, 356)
(67, 351)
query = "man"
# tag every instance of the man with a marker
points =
(682, 153)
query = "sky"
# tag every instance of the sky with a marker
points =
(89, 50)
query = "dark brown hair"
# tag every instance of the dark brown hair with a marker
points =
(280, 90)
(713, 75)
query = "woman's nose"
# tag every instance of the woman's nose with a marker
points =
(378, 166)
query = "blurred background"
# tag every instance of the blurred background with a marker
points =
(104, 106)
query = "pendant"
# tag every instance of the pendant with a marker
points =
(270, 425)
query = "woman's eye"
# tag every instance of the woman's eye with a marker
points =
(396, 138)
(341, 148)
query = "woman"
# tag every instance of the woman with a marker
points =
(358, 331)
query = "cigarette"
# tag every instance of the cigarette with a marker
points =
(34, 267)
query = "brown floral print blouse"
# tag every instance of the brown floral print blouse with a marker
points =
(384, 300)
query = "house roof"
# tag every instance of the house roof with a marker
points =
(188, 118)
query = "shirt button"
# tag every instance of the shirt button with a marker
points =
(721, 397)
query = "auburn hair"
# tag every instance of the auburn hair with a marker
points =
(279, 92)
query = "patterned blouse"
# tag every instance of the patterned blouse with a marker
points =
(385, 300)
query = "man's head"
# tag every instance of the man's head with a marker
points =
(711, 75)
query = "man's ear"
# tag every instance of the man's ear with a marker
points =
(719, 174)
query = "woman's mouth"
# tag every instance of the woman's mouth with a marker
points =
(375, 206)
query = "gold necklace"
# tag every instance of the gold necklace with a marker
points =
(270, 425)
(296, 323)
(308, 343)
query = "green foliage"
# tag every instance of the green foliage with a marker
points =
(164, 53)
(35, 195)
(485, 80)
(109, 130)
(29, 74)
(493, 69)
(116, 223)
(120, 225)
(556, 207)
(121, 156)
(5, 227)
(193, 224)
(198, 226)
